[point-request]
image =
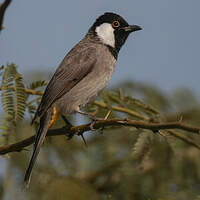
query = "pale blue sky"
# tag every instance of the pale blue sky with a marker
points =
(166, 52)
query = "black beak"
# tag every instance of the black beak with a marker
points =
(132, 28)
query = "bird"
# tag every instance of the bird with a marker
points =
(81, 76)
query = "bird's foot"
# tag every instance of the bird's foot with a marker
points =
(92, 117)
(94, 120)
(69, 136)
(68, 126)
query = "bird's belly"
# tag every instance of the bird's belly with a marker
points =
(85, 91)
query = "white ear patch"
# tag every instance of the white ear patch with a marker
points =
(106, 33)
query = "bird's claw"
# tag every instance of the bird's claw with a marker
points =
(69, 136)
(69, 133)
(92, 125)
(68, 126)
(94, 120)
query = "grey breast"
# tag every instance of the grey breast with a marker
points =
(92, 84)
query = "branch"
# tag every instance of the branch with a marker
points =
(97, 103)
(121, 109)
(3, 8)
(27, 90)
(78, 130)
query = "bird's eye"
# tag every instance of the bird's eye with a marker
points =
(115, 24)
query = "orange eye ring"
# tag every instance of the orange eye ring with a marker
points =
(115, 24)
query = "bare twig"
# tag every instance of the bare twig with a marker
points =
(3, 8)
(122, 109)
(19, 146)
(97, 103)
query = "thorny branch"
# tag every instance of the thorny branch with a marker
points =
(77, 130)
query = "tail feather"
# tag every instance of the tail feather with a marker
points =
(41, 133)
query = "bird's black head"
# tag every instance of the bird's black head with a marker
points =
(113, 30)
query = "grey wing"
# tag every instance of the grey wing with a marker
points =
(75, 66)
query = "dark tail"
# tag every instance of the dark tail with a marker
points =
(41, 133)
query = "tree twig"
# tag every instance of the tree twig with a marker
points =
(97, 103)
(19, 146)
(3, 8)
(122, 109)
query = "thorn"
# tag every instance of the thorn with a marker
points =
(161, 134)
(105, 118)
(101, 130)
(181, 119)
(107, 115)
(79, 132)
(83, 139)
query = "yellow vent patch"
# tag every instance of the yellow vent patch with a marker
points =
(54, 116)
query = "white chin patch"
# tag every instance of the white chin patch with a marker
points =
(106, 33)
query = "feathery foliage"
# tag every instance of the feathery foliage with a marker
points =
(142, 145)
(38, 84)
(13, 98)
